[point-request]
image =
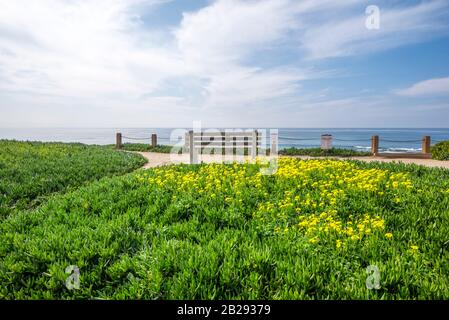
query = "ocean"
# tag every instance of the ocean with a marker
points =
(391, 140)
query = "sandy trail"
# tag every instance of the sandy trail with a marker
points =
(160, 159)
(155, 159)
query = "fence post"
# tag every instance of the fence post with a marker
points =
(426, 144)
(191, 147)
(274, 138)
(254, 145)
(326, 142)
(118, 140)
(154, 140)
(186, 141)
(375, 145)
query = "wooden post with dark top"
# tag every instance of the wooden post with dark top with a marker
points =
(426, 144)
(118, 140)
(375, 145)
(154, 140)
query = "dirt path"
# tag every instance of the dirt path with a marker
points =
(159, 159)
(155, 159)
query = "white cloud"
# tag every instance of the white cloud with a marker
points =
(432, 87)
(346, 35)
(228, 30)
(80, 49)
(60, 56)
(97, 52)
(217, 40)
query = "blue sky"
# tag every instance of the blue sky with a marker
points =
(227, 63)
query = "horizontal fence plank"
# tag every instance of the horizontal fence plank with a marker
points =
(219, 134)
(225, 147)
(224, 139)
(246, 143)
(220, 145)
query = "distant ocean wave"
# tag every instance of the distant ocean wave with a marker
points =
(390, 149)
(362, 148)
(400, 150)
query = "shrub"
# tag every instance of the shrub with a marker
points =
(142, 147)
(440, 151)
(317, 152)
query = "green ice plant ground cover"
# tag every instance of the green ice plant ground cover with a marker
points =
(31, 171)
(227, 232)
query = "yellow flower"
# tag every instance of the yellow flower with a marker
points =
(338, 244)
(388, 235)
(414, 248)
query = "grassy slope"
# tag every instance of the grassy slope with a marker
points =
(133, 238)
(30, 171)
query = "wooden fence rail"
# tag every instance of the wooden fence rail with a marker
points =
(119, 140)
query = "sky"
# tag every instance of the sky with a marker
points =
(225, 63)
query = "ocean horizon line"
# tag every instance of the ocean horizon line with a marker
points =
(234, 127)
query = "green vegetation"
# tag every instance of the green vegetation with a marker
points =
(226, 231)
(142, 147)
(317, 152)
(314, 152)
(440, 151)
(30, 171)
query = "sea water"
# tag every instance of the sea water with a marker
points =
(391, 139)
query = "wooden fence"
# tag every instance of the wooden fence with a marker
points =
(425, 149)
(249, 142)
(223, 141)
(119, 140)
